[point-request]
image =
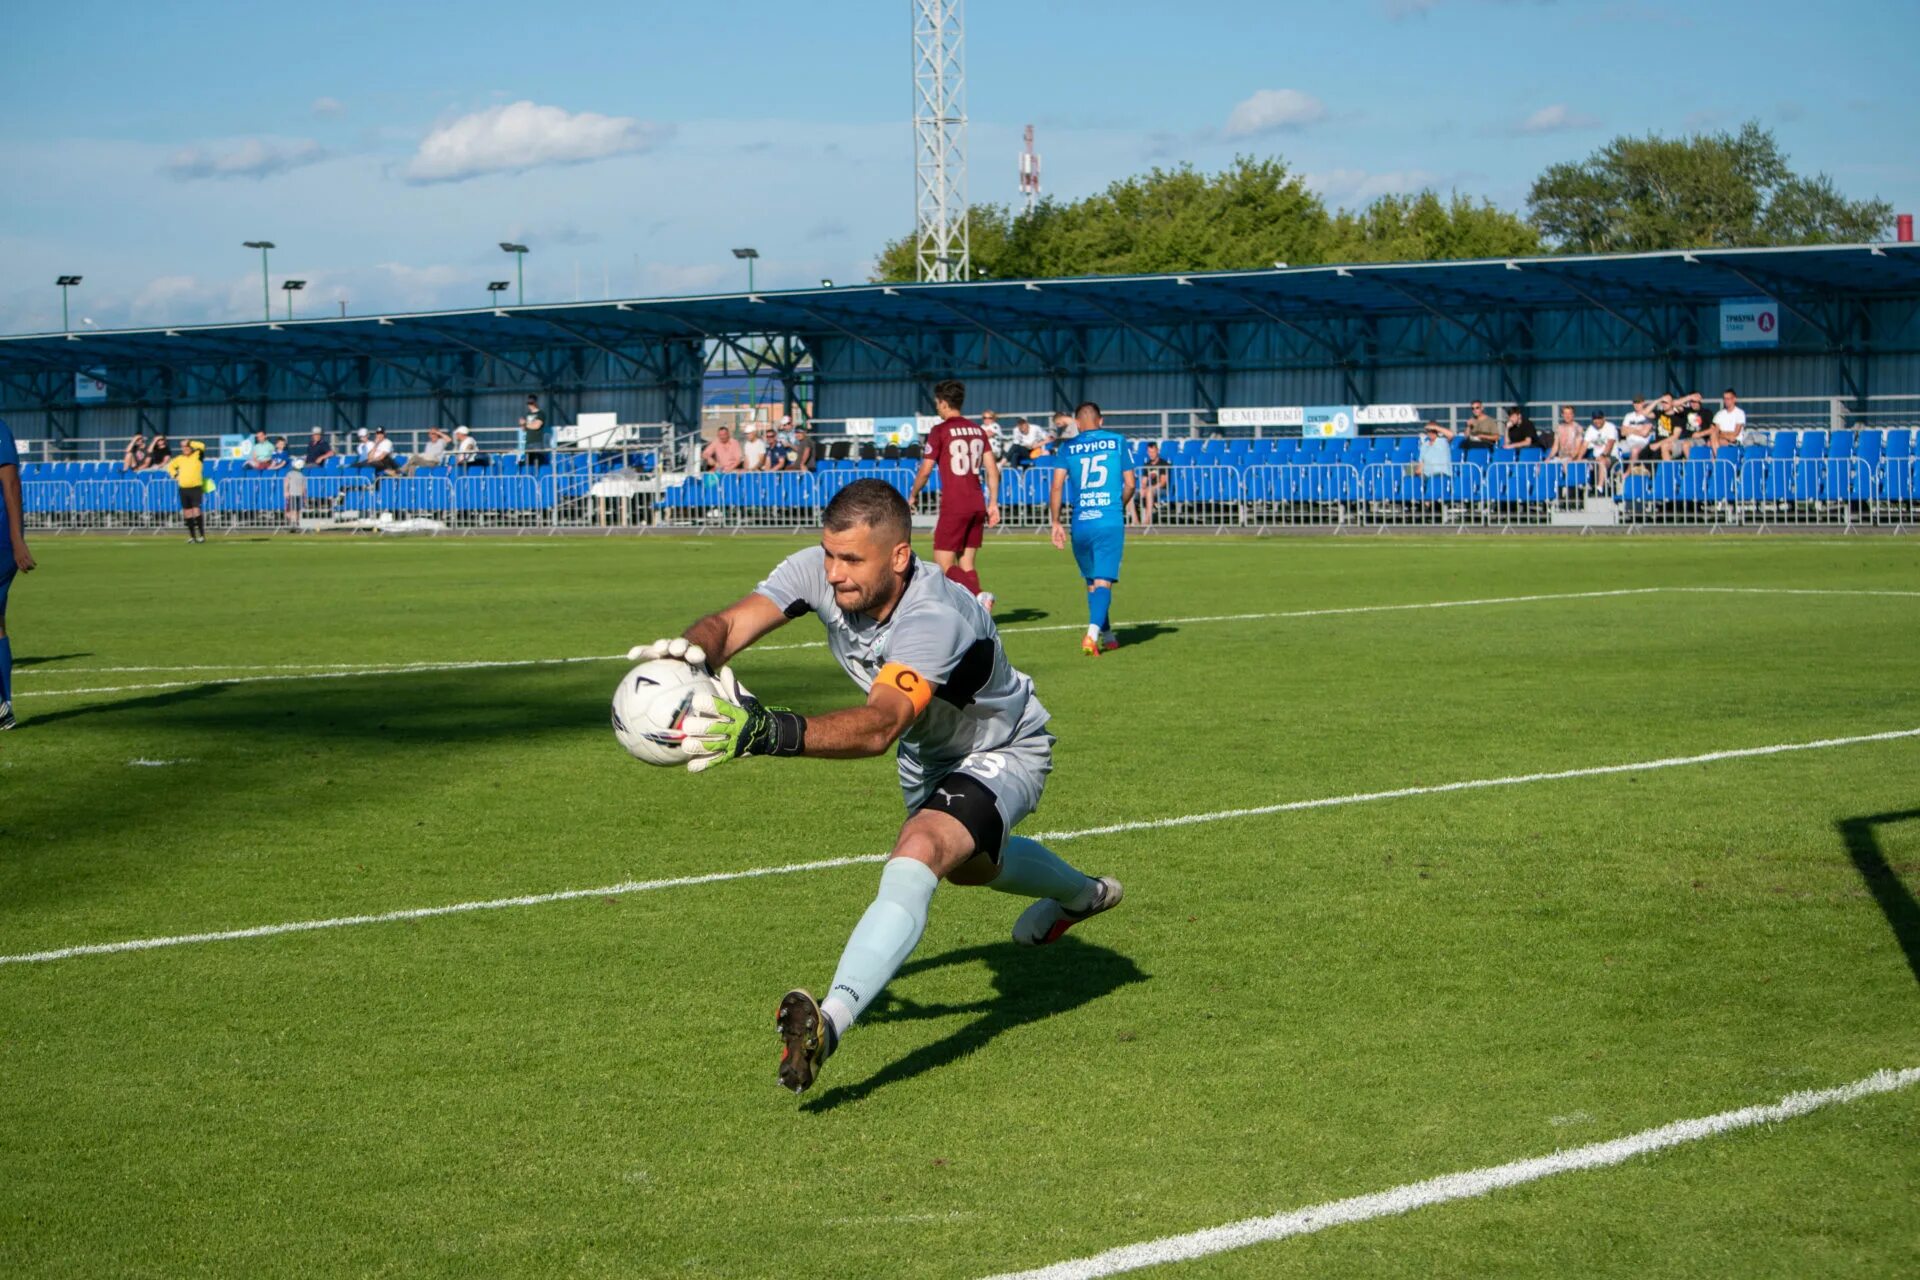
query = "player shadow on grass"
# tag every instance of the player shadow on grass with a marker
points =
(152, 702)
(49, 657)
(1030, 985)
(1890, 893)
(1013, 617)
(1141, 633)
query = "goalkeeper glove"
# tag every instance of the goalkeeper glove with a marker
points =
(734, 723)
(677, 648)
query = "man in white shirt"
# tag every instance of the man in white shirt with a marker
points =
(1729, 421)
(753, 450)
(1635, 430)
(1029, 438)
(466, 450)
(1602, 438)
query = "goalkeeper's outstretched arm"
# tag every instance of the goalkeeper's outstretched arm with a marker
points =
(726, 633)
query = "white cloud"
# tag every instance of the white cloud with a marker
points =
(1557, 118)
(329, 107)
(245, 158)
(1271, 109)
(525, 135)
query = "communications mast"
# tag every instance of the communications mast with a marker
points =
(940, 143)
(1029, 175)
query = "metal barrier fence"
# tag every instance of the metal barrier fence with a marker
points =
(1694, 492)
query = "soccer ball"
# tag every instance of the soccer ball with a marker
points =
(649, 706)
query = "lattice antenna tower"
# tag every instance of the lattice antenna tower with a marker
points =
(1029, 175)
(940, 142)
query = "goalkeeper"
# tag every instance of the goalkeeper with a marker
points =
(974, 746)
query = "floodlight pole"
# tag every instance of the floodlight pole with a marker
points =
(266, 295)
(519, 252)
(65, 283)
(753, 371)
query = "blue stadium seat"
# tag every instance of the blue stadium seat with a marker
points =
(1785, 444)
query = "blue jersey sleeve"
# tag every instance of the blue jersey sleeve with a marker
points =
(9, 450)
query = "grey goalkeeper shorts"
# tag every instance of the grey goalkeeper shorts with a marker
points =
(1010, 777)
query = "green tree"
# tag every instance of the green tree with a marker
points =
(1423, 228)
(1251, 215)
(1708, 191)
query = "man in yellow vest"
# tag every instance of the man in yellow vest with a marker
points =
(188, 469)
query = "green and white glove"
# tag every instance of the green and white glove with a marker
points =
(731, 723)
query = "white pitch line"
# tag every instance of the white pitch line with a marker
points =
(1151, 824)
(414, 668)
(341, 670)
(1460, 1186)
(1794, 591)
(1477, 784)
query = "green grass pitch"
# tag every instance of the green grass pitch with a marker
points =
(1288, 1009)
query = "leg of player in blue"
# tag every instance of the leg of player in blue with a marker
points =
(6, 647)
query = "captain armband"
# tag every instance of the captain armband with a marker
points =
(903, 679)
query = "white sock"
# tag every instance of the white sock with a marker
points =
(881, 942)
(1029, 869)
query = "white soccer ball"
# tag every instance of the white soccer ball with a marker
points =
(650, 704)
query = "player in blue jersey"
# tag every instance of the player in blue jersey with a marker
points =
(14, 558)
(1093, 471)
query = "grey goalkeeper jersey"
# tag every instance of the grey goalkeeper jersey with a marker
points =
(981, 702)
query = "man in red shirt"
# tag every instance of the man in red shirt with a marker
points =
(959, 447)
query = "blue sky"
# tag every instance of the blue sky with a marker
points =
(387, 148)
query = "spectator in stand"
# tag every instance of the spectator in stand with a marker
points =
(1026, 438)
(259, 452)
(380, 453)
(431, 454)
(1436, 455)
(293, 493)
(1155, 475)
(779, 455)
(1569, 445)
(991, 422)
(1729, 421)
(1520, 427)
(1482, 432)
(1669, 430)
(724, 454)
(466, 450)
(319, 448)
(158, 453)
(280, 457)
(1602, 439)
(135, 458)
(802, 450)
(753, 450)
(362, 447)
(1063, 428)
(1635, 430)
(533, 433)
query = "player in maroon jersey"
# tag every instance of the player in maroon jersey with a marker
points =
(959, 447)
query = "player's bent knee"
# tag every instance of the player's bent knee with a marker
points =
(977, 870)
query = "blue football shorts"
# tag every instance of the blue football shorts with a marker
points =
(7, 571)
(1097, 549)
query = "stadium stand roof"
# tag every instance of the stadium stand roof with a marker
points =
(883, 311)
(1850, 320)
